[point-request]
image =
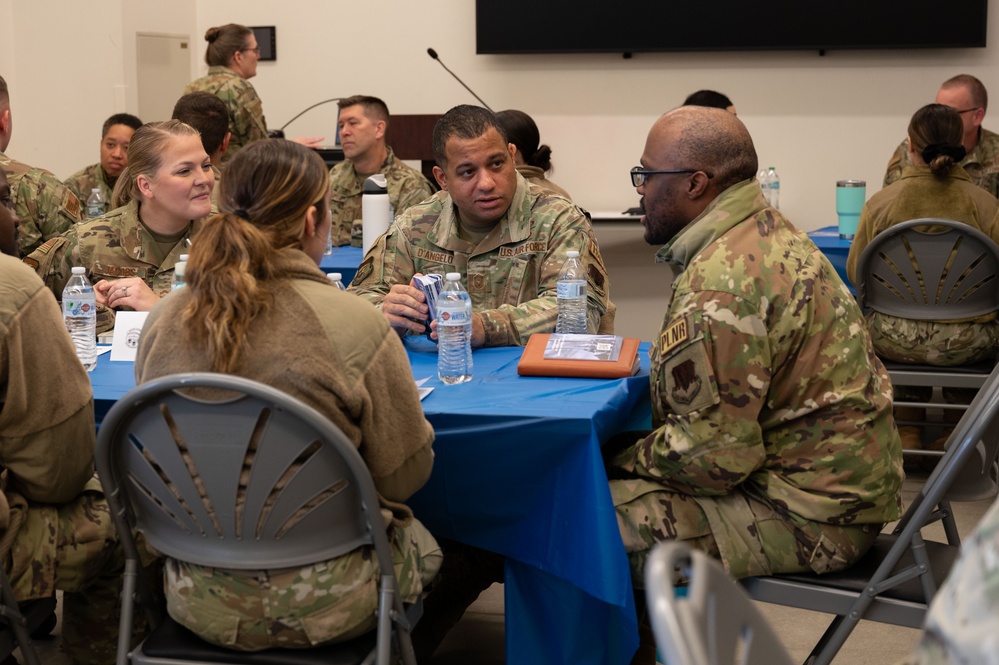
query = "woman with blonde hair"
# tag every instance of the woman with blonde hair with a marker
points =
(159, 201)
(256, 305)
(232, 56)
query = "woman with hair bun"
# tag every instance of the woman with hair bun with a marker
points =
(257, 305)
(232, 56)
(533, 161)
(934, 186)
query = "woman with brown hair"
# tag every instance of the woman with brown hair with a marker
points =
(256, 305)
(232, 56)
(159, 201)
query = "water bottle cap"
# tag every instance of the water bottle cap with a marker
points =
(572, 254)
(79, 270)
(453, 276)
(96, 189)
(183, 257)
(376, 184)
(335, 276)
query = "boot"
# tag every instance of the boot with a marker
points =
(909, 432)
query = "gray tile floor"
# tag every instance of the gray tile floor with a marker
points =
(478, 638)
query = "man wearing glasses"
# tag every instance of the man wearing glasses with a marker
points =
(966, 95)
(774, 447)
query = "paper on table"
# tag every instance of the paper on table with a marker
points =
(127, 328)
(102, 349)
(423, 391)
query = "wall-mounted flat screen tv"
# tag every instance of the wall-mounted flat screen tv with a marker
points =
(631, 26)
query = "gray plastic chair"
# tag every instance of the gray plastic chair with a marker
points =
(715, 623)
(898, 577)
(951, 274)
(280, 487)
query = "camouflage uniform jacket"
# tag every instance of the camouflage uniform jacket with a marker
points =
(961, 624)
(83, 182)
(535, 176)
(44, 205)
(246, 112)
(406, 187)
(112, 246)
(982, 163)
(764, 380)
(350, 372)
(46, 404)
(511, 275)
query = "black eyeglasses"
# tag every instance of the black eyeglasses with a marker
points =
(255, 50)
(640, 175)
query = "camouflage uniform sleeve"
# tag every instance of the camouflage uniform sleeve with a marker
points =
(898, 161)
(713, 377)
(412, 192)
(387, 262)
(513, 324)
(249, 119)
(961, 623)
(45, 207)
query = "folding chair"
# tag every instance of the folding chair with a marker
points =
(19, 622)
(715, 623)
(947, 275)
(278, 486)
(898, 577)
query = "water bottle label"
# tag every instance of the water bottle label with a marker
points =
(453, 315)
(77, 307)
(573, 289)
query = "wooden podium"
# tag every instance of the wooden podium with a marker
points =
(410, 137)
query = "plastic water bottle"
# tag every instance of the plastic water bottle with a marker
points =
(96, 205)
(179, 269)
(774, 184)
(79, 311)
(571, 292)
(337, 280)
(454, 332)
(763, 177)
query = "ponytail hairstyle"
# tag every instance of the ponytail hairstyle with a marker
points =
(267, 191)
(145, 156)
(223, 43)
(935, 134)
(521, 131)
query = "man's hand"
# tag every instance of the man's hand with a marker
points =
(405, 308)
(478, 331)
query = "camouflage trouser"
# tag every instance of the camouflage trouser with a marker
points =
(300, 607)
(933, 343)
(747, 535)
(73, 548)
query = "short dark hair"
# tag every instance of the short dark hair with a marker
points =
(522, 131)
(715, 141)
(372, 106)
(207, 114)
(979, 96)
(464, 121)
(709, 98)
(126, 119)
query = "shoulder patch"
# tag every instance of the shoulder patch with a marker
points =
(676, 334)
(71, 203)
(364, 270)
(31, 262)
(50, 244)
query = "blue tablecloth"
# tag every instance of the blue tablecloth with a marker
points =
(835, 248)
(518, 471)
(343, 260)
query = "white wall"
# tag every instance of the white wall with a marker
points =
(817, 119)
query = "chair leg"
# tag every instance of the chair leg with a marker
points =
(16, 621)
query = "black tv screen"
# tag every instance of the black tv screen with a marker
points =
(580, 26)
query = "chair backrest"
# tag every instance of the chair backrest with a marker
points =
(715, 623)
(913, 273)
(223, 471)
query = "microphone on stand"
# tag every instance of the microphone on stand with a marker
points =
(433, 54)
(279, 133)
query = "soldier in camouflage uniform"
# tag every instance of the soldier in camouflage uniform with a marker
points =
(274, 225)
(115, 136)
(966, 95)
(130, 264)
(363, 122)
(961, 624)
(508, 240)
(774, 449)
(56, 531)
(44, 205)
